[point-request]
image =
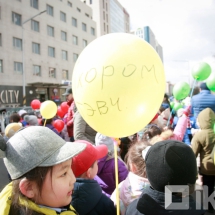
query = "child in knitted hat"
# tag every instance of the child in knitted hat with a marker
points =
(87, 197)
(168, 163)
(106, 165)
(31, 120)
(39, 163)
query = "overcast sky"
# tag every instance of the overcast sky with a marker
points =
(184, 28)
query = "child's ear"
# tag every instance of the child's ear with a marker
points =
(88, 173)
(133, 167)
(27, 188)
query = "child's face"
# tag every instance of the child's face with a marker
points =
(93, 170)
(58, 186)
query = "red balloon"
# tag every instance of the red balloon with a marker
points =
(64, 106)
(60, 112)
(59, 125)
(35, 104)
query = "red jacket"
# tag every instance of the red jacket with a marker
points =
(70, 118)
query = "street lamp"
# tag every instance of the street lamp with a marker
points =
(23, 57)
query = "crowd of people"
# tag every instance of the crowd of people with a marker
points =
(73, 171)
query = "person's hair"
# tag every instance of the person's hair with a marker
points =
(151, 131)
(165, 135)
(36, 175)
(134, 156)
(48, 121)
(196, 91)
(166, 97)
(125, 143)
(15, 117)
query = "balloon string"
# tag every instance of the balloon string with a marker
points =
(169, 118)
(116, 176)
(44, 123)
(194, 83)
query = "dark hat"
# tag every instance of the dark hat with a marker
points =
(170, 162)
(68, 91)
(203, 86)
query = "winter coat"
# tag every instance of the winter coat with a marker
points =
(129, 190)
(152, 202)
(82, 131)
(69, 120)
(201, 101)
(106, 171)
(88, 198)
(204, 140)
(50, 126)
(6, 207)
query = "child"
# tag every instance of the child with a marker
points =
(203, 143)
(106, 165)
(131, 188)
(87, 197)
(39, 162)
(168, 162)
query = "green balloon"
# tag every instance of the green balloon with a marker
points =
(177, 106)
(172, 104)
(201, 71)
(181, 90)
(210, 82)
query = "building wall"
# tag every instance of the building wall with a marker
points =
(109, 15)
(8, 30)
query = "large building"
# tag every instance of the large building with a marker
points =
(147, 34)
(43, 44)
(110, 16)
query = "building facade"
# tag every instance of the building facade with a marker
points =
(110, 16)
(43, 38)
(147, 34)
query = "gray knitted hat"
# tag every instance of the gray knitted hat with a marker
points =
(31, 119)
(36, 146)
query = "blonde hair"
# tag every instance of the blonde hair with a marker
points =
(165, 135)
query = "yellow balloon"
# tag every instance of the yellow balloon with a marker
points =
(118, 84)
(48, 109)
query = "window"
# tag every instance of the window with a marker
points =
(36, 48)
(84, 43)
(62, 16)
(64, 35)
(75, 57)
(50, 10)
(65, 75)
(91, 1)
(84, 27)
(17, 43)
(104, 27)
(74, 22)
(92, 31)
(50, 31)
(87, 15)
(1, 66)
(103, 4)
(0, 40)
(18, 67)
(106, 7)
(36, 70)
(103, 15)
(78, 9)
(106, 17)
(16, 18)
(52, 72)
(34, 25)
(75, 40)
(34, 4)
(64, 55)
(51, 51)
(107, 28)
(69, 4)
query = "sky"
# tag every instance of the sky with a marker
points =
(184, 28)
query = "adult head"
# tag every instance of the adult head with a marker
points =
(203, 86)
(68, 94)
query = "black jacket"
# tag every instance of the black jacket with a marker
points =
(88, 198)
(152, 202)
